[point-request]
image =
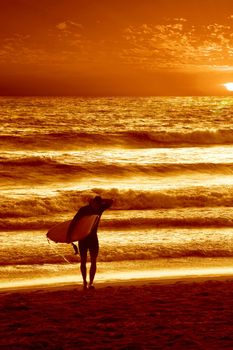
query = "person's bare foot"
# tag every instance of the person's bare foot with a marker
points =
(91, 287)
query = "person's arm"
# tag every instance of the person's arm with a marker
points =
(106, 203)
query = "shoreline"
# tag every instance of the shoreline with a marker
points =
(187, 279)
(110, 273)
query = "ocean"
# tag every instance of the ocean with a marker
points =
(167, 163)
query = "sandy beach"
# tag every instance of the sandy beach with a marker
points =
(170, 314)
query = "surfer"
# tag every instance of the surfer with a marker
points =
(96, 206)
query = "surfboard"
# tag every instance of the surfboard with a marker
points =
(81, 230)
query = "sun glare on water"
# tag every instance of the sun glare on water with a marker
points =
(229, 86)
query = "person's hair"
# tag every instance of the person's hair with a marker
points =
(97, 199)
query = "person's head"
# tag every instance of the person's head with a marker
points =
(96, 202)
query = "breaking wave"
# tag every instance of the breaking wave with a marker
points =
(65, 201)
(119, 246)
(128, 139)
(47, 167)
(36, 212)
(40, 223)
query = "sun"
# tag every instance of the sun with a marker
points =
(229, 86)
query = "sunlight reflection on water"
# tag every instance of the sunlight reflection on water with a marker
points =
(111, 272)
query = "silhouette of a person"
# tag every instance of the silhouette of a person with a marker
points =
(96, 206)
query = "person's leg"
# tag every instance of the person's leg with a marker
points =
(92, 270)
(83, 268)
(94, 250)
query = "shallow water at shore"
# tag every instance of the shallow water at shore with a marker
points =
(17, 276)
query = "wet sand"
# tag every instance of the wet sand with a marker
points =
(170, 314)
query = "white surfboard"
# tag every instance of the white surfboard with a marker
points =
(81, 230)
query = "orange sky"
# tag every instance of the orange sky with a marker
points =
(123, 47)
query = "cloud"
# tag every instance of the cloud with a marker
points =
(173, 44)
(61, 26)
(178, 45)
(24, 50)
(12, 48)
(69, 25)
(70, 35)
